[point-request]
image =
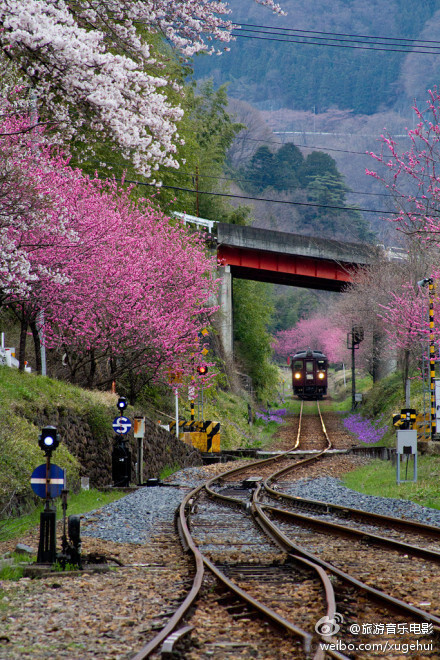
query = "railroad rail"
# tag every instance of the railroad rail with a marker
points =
(249, 496)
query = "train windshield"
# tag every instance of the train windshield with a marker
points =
(298, 365)
(309, 366)
(321, 364)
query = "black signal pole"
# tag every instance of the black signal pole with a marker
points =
(353, 376)
(354, 338)
(48, 441)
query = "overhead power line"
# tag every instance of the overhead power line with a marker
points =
(192, 175)
(267, 34)
(306, 146)
(261, 199)
(234, 180)
(339, 34)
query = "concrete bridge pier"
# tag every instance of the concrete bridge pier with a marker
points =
(225, 311)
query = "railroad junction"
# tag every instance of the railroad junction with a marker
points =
(357, 569)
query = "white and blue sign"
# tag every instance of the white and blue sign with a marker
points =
(56, 480)
(121, 425)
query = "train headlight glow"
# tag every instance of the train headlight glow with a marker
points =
(321, 375)
(298, 375)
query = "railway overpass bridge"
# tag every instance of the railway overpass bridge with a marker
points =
(282, 258)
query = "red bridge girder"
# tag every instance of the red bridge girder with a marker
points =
(282, 268)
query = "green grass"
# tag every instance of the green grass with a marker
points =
(231, 411)
(86, 500)
(169, 470)
(15, 571)
(11, 573)
(379, 478)
(22, 390)
(28, 401)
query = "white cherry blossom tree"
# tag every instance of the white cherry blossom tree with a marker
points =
(92, 65)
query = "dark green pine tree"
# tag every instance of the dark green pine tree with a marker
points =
(316, 164)
(261, 169)
(288, 161)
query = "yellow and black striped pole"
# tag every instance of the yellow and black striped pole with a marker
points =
(432, 356)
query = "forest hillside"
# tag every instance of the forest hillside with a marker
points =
(321, 95)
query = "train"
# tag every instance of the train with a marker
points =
(309, 374)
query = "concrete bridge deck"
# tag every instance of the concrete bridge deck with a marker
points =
(282, 258)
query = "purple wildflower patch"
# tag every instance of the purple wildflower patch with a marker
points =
(272, 415)
(364, 429)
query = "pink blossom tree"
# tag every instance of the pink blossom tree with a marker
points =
(121, 286)
(318, 333)
(137, 299)
(412, 177)
(29, 216)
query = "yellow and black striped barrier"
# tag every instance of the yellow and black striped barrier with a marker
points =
(212, 430)
(432, 355)
(423, 426)
(204, 436)
(182, 424)
(406, 419)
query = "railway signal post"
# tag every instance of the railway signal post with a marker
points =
(202, 370)
(139, 434)
(121, 454)
(405, 422)
(47, 481)
(354, 339)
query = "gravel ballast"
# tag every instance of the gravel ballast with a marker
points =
(132, 518)
(330, 489)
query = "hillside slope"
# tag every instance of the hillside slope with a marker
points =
(271, 75)
(84, 420)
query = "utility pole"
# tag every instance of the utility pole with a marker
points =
(197, 191)
(432, 356)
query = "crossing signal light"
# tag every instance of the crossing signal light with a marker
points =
(48, 439)
(357, 334)
(202, 369)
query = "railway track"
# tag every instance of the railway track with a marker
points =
(300, 580)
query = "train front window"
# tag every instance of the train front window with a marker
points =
(298, 365)
(309, 367)
(321, 364)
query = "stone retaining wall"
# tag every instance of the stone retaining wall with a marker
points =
(94, 450)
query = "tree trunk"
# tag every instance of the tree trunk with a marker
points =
(37, 346)
(92, 371)
(22, 347)
(405, 368)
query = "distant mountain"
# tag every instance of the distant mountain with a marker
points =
(331, 99)
(272, 75)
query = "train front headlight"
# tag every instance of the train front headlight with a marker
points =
(321, 375)
(297, 375)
